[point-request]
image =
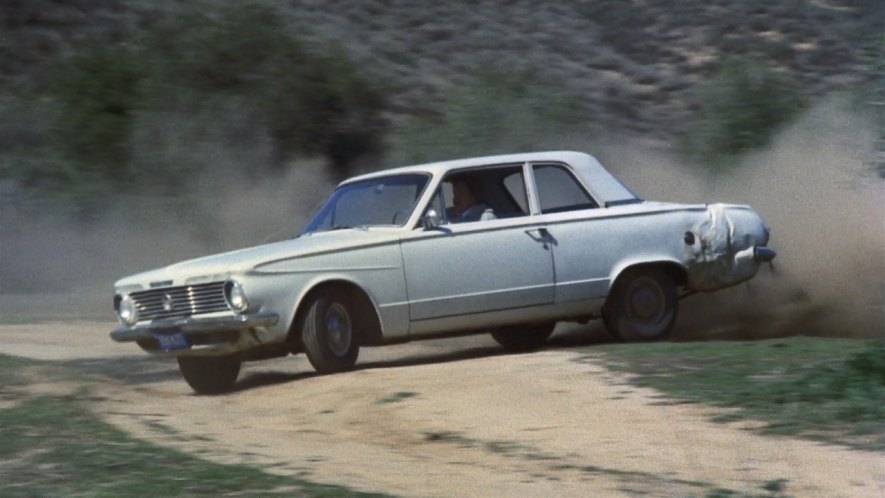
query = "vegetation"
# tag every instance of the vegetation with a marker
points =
(740, 108)
(101, 100)
(492, 113)
(311, 103)
(872, 96)
(165, 103)
(825, 389)
(56, 446)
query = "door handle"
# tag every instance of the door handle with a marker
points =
(538, 234)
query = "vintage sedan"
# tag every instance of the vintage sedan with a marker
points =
(508, 245)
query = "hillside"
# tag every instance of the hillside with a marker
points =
(632, 64)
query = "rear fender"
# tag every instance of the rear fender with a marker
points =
(719, 249)
(670, 265)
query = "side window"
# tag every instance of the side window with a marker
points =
(515, 185)
(484, 194)
(559, 191)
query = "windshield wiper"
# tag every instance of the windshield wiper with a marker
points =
(348, 227)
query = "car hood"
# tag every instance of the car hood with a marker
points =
(220, 266)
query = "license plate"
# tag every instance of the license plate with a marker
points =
(170, 342)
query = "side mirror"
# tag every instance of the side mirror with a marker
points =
(431, 220)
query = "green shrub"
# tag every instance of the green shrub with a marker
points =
(97, 94)
(342, 117)
(740, 108)
(196, 90)
(493, 113)
(311, 102)
(228, 49)
(854, 384)
(868, 366)
(871, 96)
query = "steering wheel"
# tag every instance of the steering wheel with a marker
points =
(396, 215)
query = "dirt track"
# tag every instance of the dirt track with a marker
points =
(451, 418)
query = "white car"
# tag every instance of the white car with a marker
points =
(506, 244)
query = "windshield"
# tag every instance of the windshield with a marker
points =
(387, 200)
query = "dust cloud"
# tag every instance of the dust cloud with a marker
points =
(51, 266)
(824, 204)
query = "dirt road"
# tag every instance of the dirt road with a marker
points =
(452, 418)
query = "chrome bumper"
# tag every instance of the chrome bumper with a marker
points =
(193, 326)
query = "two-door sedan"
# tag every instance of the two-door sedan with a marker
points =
(505, 244)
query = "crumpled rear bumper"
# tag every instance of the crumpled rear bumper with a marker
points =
(764, 254)
(746, 264)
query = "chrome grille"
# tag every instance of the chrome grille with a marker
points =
(180, 301)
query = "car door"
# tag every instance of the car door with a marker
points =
(460, 269)
(585, 241)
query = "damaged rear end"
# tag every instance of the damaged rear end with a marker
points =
(725, 247)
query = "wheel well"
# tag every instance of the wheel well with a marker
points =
(677, 272)
(368, 331)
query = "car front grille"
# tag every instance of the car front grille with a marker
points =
(182, 301)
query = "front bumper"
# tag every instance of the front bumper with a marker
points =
(193, 327)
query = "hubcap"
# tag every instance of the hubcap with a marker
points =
(338, 329)
(645, 301)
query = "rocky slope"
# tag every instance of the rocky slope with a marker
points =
(634, 64)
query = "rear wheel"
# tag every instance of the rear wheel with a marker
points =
(526, 338)
(642, 306)
(209, 375)
(328, 332)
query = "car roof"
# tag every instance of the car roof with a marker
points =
(602, 184)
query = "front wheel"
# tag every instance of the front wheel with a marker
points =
(209, 375)
(642, 306)
(525, 338)
(328, 333)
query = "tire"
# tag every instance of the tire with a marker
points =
(526, 338)
(328, 333)
(209, 375)
(642, 306)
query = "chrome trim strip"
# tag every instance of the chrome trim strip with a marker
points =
(584, 281)
(320, 270)
(191, 325)
(390, 305)
(482, 293)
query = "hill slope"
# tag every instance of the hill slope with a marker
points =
(632, 64)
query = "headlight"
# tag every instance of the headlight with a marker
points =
(235, 296)
(126, 310)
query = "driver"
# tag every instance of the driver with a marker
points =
(466, 205)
